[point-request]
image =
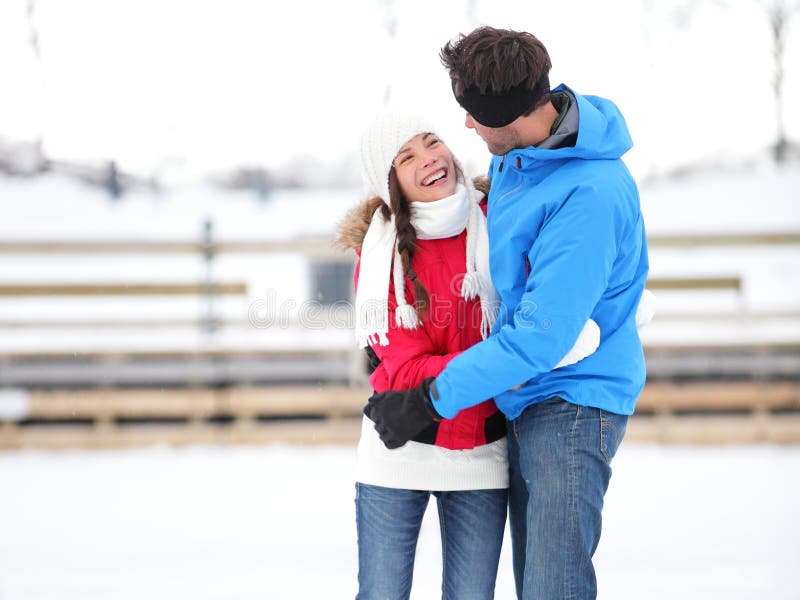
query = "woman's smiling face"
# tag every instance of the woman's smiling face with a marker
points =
(425, 169)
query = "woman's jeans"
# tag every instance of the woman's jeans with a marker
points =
(559, 457)
(388, 521)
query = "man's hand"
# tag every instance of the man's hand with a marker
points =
(399, 416)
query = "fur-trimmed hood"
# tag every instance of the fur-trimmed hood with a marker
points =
(353, 227)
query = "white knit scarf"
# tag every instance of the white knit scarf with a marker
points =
(431, 220)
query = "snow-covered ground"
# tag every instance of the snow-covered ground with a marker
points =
(277, 522)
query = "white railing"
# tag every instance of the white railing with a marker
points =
(128, 312)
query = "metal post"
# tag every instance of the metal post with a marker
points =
(209, 322)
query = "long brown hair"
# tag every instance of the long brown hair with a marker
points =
(407, 243)
(407, 239)
(407, 235)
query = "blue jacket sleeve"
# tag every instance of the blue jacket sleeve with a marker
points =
(571, 262)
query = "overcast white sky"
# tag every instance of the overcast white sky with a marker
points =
(211, 84)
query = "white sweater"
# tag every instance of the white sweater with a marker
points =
(417, 466)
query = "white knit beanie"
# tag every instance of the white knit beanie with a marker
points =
(382, 140)
(380, 143)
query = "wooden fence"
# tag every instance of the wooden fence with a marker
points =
(666, 412)
(128, 387)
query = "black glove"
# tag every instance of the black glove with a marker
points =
(372, 360)
(400, 416)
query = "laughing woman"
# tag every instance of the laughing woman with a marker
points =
(423, 295)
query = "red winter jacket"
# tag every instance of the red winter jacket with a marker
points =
(453, 325)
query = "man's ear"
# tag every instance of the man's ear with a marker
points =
(456, 84)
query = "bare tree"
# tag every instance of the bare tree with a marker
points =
(779, 13)
(33, 31)
(33, 40)
(390, 23)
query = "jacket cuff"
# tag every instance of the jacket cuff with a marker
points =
(441, 400)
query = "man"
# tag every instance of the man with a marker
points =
(567, 243)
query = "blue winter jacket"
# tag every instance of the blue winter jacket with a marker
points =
(567, 242)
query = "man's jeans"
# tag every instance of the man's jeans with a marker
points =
(388, 521)
(559, 456)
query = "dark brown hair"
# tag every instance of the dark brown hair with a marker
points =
(407, 235)
(407, 242)
(496, 60)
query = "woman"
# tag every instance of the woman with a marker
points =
(424, 294)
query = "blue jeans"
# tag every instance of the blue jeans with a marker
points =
(559, 461)
(388, 520)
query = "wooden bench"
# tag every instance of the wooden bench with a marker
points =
(687, 413)
(335, 401)
(694, 283)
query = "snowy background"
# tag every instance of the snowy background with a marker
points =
(178, 91)
(765, 309)
(177, 88)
